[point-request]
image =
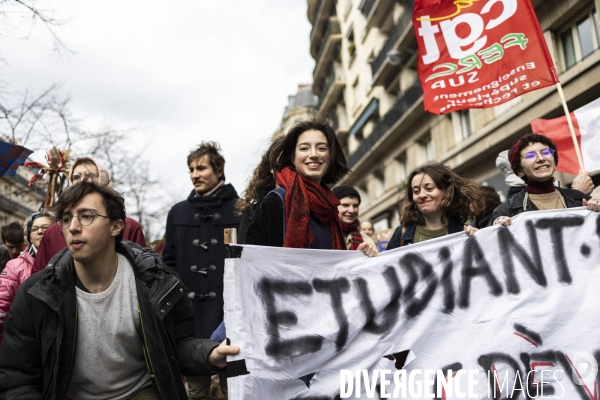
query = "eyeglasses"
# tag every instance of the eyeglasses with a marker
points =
(37, 228)
(86, 175)
(531, 156)
(86, 218)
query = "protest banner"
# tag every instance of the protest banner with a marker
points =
(511, 309)
(479, 54)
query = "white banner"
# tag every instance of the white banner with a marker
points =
(515, 310)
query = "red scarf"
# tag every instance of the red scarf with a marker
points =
(304, 198)
(352, 229)
(540, 187)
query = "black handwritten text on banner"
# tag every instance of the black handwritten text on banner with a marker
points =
(510, 300)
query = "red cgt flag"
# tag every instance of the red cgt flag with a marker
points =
(479, 53)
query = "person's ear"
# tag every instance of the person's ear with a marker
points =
(220, 174)
(116, 227)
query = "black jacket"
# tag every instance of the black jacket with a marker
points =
(194, 240)
(37, 354)
(246, 216)
(454, 226)
(514, 205)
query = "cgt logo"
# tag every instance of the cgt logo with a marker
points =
(463, 32)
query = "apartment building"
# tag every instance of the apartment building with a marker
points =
(299, 104)
(17, 200)
(366, 80)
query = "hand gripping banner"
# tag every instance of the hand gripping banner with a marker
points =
(510, 310)
(479, 53)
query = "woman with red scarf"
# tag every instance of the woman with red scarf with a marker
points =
(302, 212)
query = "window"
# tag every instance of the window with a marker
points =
(465, 123)
(379, 181)
(427, 149)
(579, 39)
(364, 193)
(400, 171)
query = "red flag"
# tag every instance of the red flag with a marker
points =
(479, 54)
(586, 122)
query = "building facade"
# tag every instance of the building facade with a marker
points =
(366, 79)
(17, 200)
(299, 104)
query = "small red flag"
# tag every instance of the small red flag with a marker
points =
(479, 54)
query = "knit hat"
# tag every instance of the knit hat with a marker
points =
(514, 157)
(344, 191)
(504, 165)
(104, 177)
(29, 224)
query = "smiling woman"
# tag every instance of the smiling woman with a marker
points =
(438, 202)
(302, 211)
(534, 159)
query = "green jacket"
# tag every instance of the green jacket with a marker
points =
(37, 354)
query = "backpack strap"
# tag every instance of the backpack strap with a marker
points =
(279, 191)
(402, 232)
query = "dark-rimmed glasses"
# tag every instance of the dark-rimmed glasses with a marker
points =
(531, 156)
(36, 228)
(85, 176)
(86, 218)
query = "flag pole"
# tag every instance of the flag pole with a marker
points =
(571, 128)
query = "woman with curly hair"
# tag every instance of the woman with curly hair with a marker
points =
(438, 202)
(261, 183)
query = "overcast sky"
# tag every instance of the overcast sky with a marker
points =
(186, 71)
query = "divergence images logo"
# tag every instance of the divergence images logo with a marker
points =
(586, 368)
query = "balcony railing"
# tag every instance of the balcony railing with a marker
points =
(393, 37)
(367, 7)
(326, 88)
(12, 205)
(333, 28)
(316, 13)
(400, 107)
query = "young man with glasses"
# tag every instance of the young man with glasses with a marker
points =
(534, 159)
(19, 269)
(83, 169)
(107, 319)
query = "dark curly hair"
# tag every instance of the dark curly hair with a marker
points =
(283, 154)
(112, 200)
(262, 177)
(514, 154)
(491, 199)
(461, 199)
(216, 159)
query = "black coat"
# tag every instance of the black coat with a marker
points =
(194, 240)
(37, 354)
(247, 214)
(514, 205)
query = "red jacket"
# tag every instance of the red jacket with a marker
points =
(53, 241)
(14, 274)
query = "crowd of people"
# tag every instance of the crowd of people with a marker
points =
(87, 311)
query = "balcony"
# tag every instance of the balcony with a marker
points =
(376, 11)
(322, 12)
(15, 207)
(401, 35)
(331, 92)
(404, 102)
(327, 50)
